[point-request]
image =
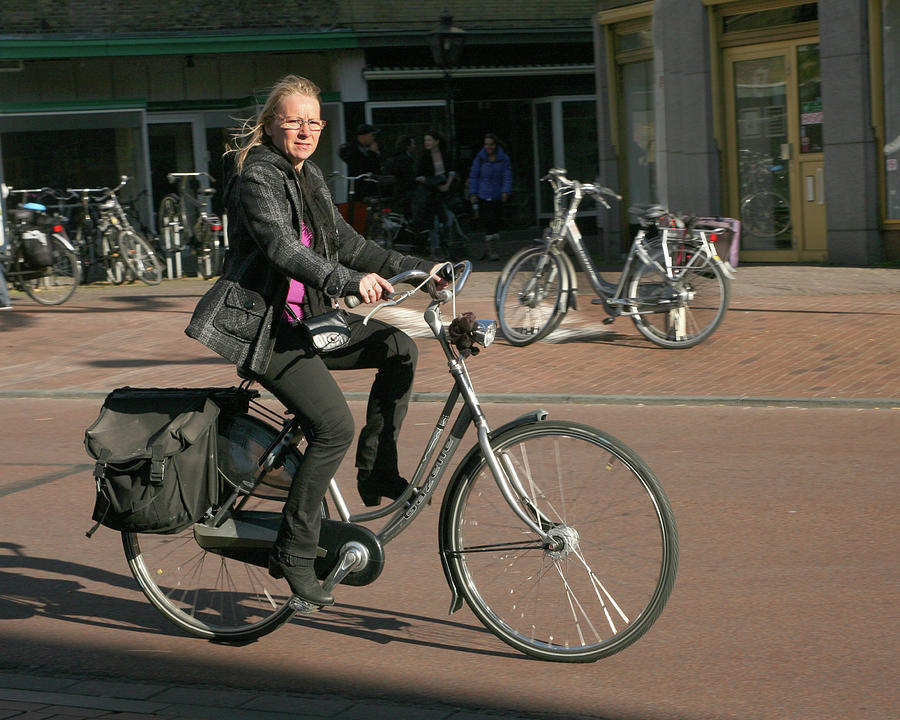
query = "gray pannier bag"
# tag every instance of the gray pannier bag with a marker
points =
(155, 448)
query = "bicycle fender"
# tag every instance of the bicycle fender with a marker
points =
(468, 464)
(725, 267)
(570, 283)
(65, 241)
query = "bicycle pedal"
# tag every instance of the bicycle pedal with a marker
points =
(302, 607)
(597, 301)
(608, 320)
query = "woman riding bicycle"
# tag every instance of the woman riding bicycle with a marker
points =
(290, 256)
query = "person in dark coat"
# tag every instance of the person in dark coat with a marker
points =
(401, 166)
(290, 256)
(362, 155)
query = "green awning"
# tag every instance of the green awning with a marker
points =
(51, 48)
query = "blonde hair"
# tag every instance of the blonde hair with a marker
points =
(252, 131)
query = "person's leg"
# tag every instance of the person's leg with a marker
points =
(434, 237)
(393, 355)
(300, 380)
(490, 214)
(5, 303)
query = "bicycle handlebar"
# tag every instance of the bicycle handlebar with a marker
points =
(338, 174)
(105, 190)
(170, 177)
(557, 178)
(456, 274)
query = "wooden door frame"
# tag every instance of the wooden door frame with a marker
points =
(788, 49)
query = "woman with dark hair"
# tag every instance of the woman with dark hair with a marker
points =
(290, 257)
(436, 174)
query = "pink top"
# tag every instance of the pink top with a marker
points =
(297, 290)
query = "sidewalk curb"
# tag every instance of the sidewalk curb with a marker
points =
(550, 399)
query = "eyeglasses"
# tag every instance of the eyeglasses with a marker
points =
(314, 126)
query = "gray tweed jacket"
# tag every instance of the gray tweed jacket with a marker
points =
(239, 315)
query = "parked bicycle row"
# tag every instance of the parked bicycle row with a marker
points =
(674, 285)
(60, 238)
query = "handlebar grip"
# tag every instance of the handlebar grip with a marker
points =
(354, 300)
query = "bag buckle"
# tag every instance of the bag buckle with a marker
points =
(157, 471)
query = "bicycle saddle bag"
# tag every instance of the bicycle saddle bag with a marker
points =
(155, 448)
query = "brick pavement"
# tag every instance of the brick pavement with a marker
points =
(811, 334)
(816, 335)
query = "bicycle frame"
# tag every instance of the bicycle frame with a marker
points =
(423, 485)
(564, 229)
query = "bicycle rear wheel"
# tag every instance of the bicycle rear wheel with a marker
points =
(210, 595)
(55, 284)
(169, 221)
(529, 303)
(117, 269)
(204, 250)
(140, 257)
(609, 577)
(682, 313)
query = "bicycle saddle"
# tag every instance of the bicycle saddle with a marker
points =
(649, 212)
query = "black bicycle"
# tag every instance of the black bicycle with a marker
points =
(38, 257)
(105, 237)
(557, 535)
(186, 220)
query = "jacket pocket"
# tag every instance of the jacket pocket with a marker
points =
(241, 314)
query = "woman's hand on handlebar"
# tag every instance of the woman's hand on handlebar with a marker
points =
(373, 287)
(440, 281)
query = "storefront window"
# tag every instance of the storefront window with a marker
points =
(810, 89)
(890, 22)
(98, 149)
(639, 124)
(579, 131)
(763, 19)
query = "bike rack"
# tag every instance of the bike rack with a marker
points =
(172, 245)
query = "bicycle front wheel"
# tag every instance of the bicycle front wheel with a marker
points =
(55, 284)
(210, 595)
(378, 232)
(612, 568)
(529, 302)
(141, 258)
(765, 214)
(684, 311)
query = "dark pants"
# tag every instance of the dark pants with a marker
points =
(302, 381)
(491, 214)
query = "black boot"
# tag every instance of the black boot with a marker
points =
(372, 489)
(301, 579)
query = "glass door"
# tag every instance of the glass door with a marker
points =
(776, 171)
(565, 136)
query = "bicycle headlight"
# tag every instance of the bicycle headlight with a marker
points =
(485, 331)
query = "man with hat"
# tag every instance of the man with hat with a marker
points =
(363, 156)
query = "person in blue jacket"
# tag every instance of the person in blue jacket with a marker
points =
(490, 183)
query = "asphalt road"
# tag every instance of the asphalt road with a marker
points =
(785, 604)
